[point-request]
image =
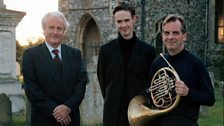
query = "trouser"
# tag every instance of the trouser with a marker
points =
(122, 116)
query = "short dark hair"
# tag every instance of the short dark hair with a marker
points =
(174, 17)
(126, 6)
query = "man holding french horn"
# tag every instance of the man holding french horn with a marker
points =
(186, 77)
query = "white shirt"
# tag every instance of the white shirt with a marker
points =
(50, 48)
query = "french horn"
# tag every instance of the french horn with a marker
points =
(163, 97)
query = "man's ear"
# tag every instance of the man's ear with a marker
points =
(134, 18)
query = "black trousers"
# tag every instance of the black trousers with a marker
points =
(122, 118)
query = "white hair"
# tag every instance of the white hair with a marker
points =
(55, 14)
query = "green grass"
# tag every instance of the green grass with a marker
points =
(214, 117)
(19, 119)
(215, 113)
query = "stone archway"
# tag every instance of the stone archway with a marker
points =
(89, 43)
(88, 38)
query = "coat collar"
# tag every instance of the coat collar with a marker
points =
(134, 54)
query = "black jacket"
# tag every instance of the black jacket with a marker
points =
(111, 73)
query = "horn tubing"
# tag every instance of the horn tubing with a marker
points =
(166, 61)
(139, 110)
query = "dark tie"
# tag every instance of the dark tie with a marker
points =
(57, 62)
(56, 57)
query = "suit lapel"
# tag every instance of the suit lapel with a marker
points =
(48, 61)
(66, 64)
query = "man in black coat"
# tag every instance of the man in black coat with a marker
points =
(55, 77)
(123, 67)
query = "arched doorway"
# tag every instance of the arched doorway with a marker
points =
(88, 38)
(90, 43)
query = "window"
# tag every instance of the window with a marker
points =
(219, 28)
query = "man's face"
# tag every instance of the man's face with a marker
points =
(54, 31)
(124, 22)
(173, 38)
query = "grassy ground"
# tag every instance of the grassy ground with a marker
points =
(18, 119)
(214, 116)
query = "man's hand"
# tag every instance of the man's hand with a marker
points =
(181, 88)
(61, 114)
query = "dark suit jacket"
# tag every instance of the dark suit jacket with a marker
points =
(45, 90)
(111, 75)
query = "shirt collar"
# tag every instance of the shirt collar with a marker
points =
(50, 48)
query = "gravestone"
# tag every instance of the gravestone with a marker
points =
(5, 111)
(9, 85)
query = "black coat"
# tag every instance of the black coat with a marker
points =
(111, 75)
(45, 90)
